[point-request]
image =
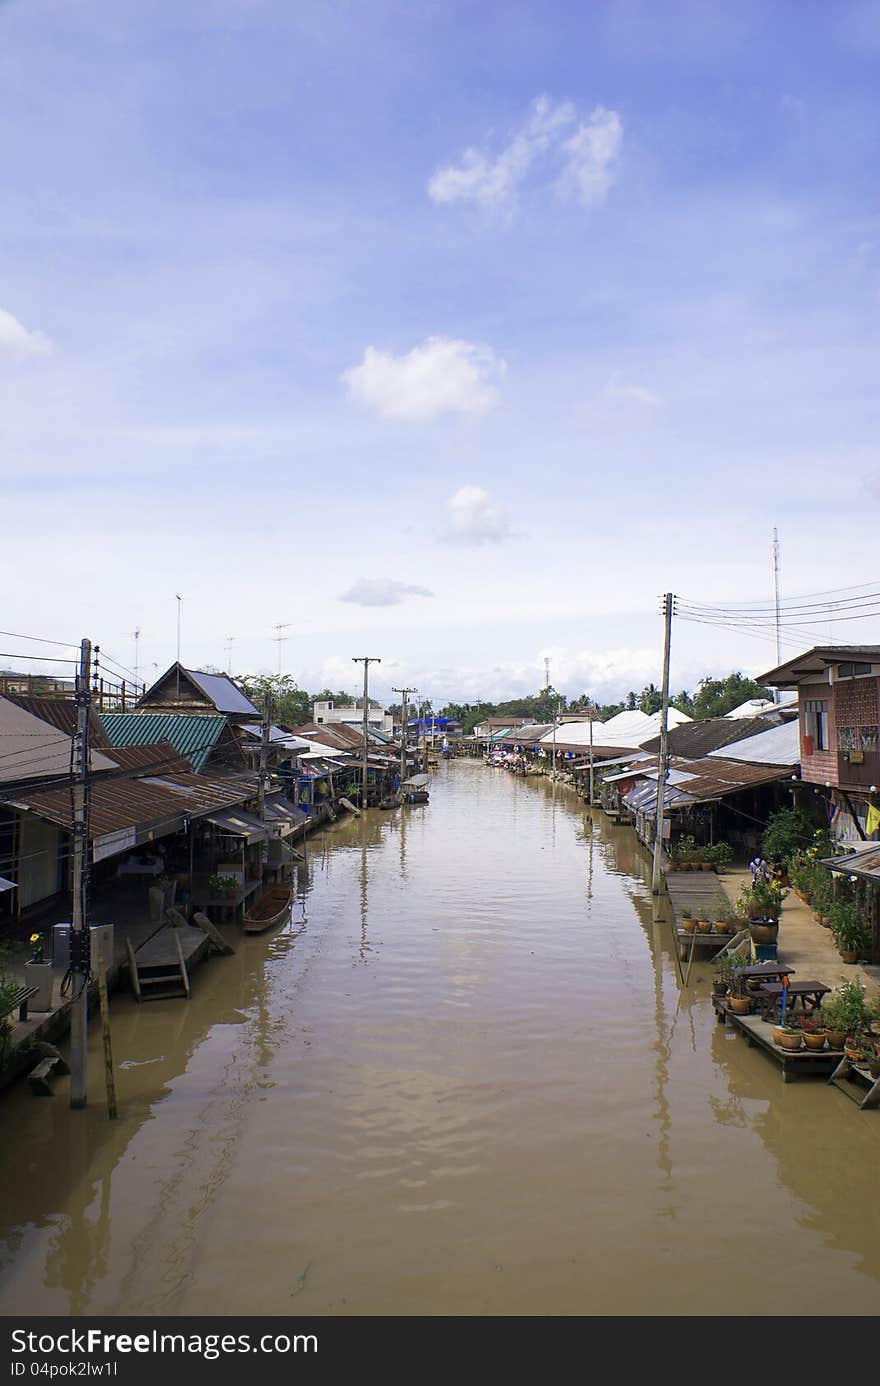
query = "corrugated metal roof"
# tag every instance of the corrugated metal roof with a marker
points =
(865, 861)
(159, 759)
(192, 736)
(135, 803)
(61, 713)
(775, 746)
(624, 729)
(31, 749)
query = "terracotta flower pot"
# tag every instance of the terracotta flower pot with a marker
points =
(814, 1041)
(824, 921)
(704, 926)
(849, 955)
(835, 1038)
(791, 1042)
(776, 1034)
(740, 1005)
(688, 925)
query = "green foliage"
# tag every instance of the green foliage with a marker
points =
(846, 926)
(650, 699)
(716, 697)
(848, 1009)
(788, 831)
(761, 900)
(287, 702)
(223, 885)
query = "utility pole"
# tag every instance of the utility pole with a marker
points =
(137, 636)
(555, 720)
(668, 603)
(264, 756)
(404, 692)
(79, 918)
(546, 673)
(229, 640)
(366, 661)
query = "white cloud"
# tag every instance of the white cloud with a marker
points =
(16, 341)
(587, 155)
(619, 392)
(473, 519)
(590, 154)
(442, 376)
(493, 181)
(382, 592)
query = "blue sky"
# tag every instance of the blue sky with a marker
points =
(452, 333)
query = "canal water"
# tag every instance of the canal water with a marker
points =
(465, 1081)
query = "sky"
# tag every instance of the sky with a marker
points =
(451, 333)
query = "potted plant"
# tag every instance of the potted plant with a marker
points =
(38, 973)
(849, 934)
(688, 922)
(791, 1037)
(168, 885)
(848, 1015)
(814, 1032)
(223, 885)
(724, 968)
(761, 905)
(738, 991)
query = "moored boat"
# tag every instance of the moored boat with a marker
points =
(271, 908)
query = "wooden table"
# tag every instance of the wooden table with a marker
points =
(768, 972)
(808, 993)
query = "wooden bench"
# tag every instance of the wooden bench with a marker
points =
(19, 1000)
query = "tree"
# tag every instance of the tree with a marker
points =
(650, 699)
(289, 703)
(716, 697)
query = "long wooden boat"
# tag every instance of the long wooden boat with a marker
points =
(270, 909)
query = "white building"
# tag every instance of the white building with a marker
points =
(353, 715)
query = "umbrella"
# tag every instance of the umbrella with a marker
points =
(416, 782)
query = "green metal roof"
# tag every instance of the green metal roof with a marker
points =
(191, 736)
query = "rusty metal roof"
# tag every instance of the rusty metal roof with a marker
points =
(136, 803)
(157, 758)
(712, 777)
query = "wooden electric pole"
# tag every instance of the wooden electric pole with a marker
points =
(404, 692)
(668, 602)
(79, 918)
(366, 661)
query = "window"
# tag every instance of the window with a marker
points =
(852, 670)
(816, 722)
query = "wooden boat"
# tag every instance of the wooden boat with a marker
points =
(271, 908)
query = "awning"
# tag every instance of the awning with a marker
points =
(239, 823)
(864, 862)
(283, 816)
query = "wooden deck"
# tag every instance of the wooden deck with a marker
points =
(695, 891)
(794, 1063)
(160, 967)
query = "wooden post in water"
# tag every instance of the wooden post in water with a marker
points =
(105, 1030)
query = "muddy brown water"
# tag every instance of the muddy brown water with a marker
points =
(465, 1082)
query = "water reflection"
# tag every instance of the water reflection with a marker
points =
(466, 1079)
